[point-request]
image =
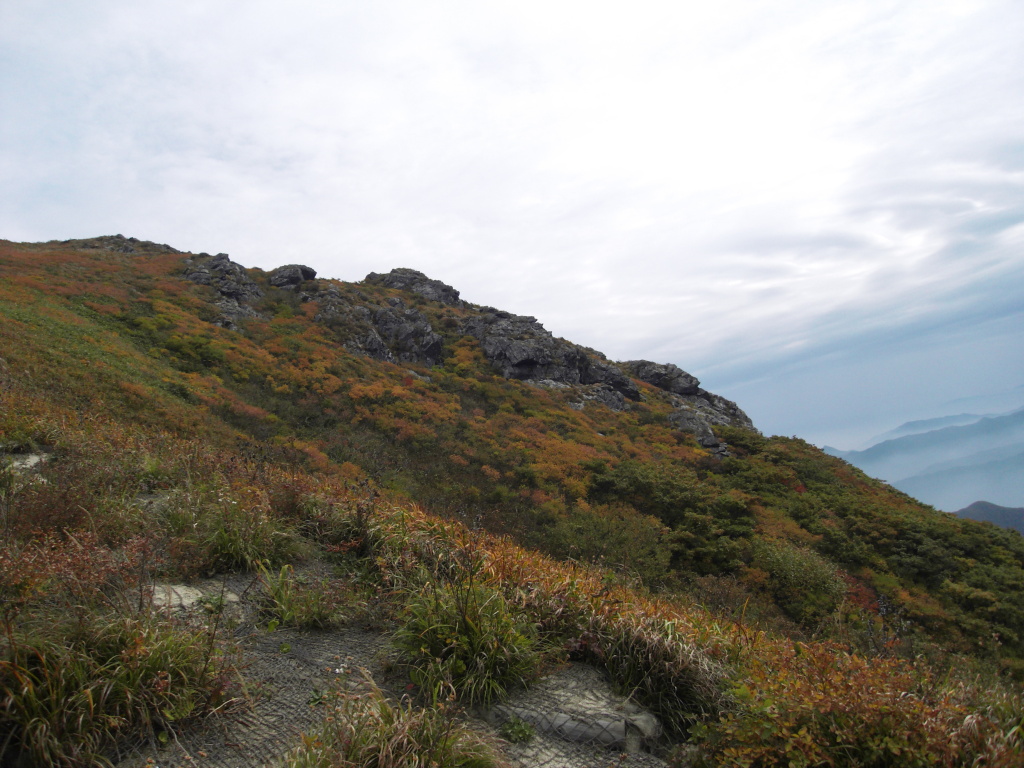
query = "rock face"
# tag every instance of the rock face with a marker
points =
(392, 333)
(697, 410)
(407, 334)
(237, 290)
(664, 376)
(521, 348)
(518, 347)
(411, 280)
(291, 276)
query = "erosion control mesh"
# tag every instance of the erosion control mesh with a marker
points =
(575, 719)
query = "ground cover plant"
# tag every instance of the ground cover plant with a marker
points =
(773, 606)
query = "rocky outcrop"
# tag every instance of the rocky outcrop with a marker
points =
(392, 333)
(237, 290)
(663, 376)
(521, 348)
(122, 244)
(700, 412)
(407, 334)
(697, 410)
(411, 280)
(291, 276)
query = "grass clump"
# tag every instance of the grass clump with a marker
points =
(465, 635)
(68, 703)
(365, 730)
(294, 601)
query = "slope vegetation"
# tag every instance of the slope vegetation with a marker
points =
(193, 417)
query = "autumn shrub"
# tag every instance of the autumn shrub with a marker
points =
(614, 536)
(67, 703)
(364, 730)
(84, 661)
(815, 704)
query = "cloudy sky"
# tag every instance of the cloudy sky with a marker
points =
(815, 207)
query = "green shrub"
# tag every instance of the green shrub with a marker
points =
(515, 730)
(804, 584)
(465, 635)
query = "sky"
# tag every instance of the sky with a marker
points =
(815, 208)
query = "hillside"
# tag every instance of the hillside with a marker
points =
(186, 417)
(1005, 517)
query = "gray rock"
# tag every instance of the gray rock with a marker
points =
(410, 280)
(408, 335)
(605, 395)
(221, 273)
(716, 409)
(690, 420)
(664, 376)
(122, 244)
(291, 276)
(521, 348)
(700, 412)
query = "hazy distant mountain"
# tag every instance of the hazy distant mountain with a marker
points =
(1000, 482)
(925, 425)
(1005, 517)
(951, 466)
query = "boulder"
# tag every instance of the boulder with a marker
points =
(410, 280)
(229, 279)
(664, 376)
(291, 276)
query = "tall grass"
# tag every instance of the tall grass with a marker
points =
(365, 730)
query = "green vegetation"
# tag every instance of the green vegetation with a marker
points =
(777, 606)
(365, 729)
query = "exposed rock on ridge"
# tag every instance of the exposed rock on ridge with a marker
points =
(291, 276)
(237, 290)
(664, 376)
(410, 280)
(518, 347)
(122, 244)
(697, 410)
(521, 348)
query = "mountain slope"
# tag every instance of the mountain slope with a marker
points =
(950, 487)
(925, 425)
(170, 416)
(484, 416)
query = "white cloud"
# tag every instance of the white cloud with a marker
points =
(735, 187)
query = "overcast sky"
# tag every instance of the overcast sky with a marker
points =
(817, 208)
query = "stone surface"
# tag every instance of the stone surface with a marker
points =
(410, 280)
(407, 334)
(291, 276)
(521, 348)
(579, 721)
(664, 376)
(237, 290)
